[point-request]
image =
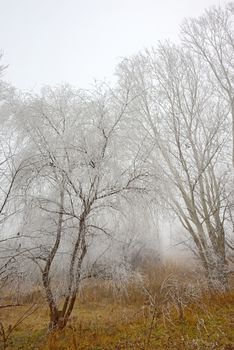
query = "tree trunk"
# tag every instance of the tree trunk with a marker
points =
(216, 275)
(232, 111)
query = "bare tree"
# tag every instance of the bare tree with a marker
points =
(187, 125)
(77, 183)
(211, 37)
(12, 167)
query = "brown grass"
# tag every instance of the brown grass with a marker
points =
(149, 315)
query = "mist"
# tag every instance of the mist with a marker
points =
(116, 174)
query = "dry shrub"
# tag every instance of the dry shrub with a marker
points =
(152, 279)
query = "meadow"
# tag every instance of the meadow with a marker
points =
(168, 308)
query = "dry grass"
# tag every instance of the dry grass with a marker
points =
(146, 316)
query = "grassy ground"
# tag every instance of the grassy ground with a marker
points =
(101, 321)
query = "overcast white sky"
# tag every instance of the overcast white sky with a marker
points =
(53, 41)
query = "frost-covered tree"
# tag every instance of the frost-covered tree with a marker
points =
(186, 123)
(12, 167)
(211, 37)
(81, 173)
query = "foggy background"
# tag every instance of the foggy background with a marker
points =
(52, 41)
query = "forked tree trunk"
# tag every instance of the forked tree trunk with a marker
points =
(60, 318)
